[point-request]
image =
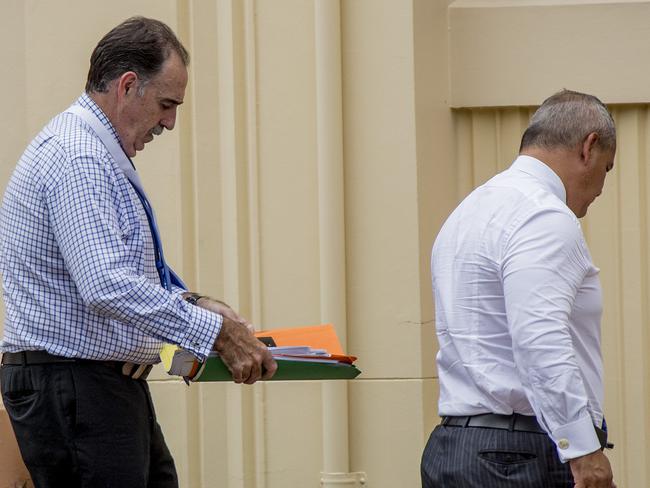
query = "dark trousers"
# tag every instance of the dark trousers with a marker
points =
(83, 424)
(473, 457)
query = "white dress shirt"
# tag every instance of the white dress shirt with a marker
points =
(518, 308)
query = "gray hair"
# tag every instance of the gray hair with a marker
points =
(566, 119)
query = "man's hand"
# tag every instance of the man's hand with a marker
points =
(247, 358)
(592, 471)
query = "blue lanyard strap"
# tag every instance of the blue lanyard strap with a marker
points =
(161, 266)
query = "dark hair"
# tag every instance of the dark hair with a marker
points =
(566, 118)
(138, 44)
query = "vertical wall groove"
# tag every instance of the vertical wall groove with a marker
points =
(188, 173)
(643, 240)
(233, 87)
(329, 144)
(259, 391)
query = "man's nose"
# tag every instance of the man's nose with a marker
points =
(169, 121)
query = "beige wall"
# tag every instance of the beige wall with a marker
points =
(511, 52)
(314, 160)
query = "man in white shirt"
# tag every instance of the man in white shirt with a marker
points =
(518, 308)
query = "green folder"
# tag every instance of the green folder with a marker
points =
(215, 370)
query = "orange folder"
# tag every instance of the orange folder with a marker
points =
(315, 336)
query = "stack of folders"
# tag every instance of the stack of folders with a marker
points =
(302, 353)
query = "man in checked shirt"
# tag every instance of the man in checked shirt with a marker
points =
(89, 298)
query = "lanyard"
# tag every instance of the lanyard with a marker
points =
(128, 169)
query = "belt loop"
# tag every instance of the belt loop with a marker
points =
(513, 419)
(128, 368)
(139, 371)
(23, 358)
(466, 420)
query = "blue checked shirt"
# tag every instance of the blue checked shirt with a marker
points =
(77, 257)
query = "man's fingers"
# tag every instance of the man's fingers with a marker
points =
(246, 357)
(245, 372)
(269, 367)
(260, 364)
(237, 374)
(255, 373)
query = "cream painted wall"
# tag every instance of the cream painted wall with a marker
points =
(516, 52)
(313, 162)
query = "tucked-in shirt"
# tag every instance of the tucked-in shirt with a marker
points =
(518, 308)
(77, 256)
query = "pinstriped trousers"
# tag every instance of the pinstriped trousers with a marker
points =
(474, 457)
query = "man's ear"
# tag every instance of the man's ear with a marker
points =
(126, 84)
(588, 146)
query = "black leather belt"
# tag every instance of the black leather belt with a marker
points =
(23, 358)
(515, 422)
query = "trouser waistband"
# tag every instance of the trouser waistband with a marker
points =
(515, 423)
(27, 358)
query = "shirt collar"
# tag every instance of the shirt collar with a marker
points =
(85, 101)
(538, 169)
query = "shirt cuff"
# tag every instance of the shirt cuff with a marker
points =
(576, 439)
(203, 331)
